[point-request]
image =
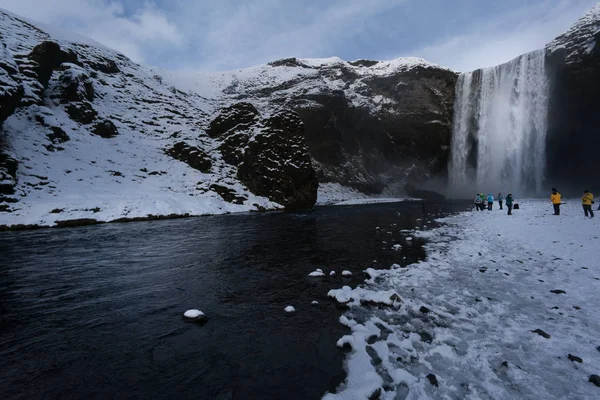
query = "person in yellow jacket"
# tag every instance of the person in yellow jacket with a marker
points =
(555, 198)
(587, 200)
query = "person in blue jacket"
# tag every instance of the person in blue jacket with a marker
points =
(500, 199)
(490, 200)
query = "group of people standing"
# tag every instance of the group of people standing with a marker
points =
(586, 201)
(482, 202)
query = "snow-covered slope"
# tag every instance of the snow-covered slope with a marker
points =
(580, 39)
(87, 133)
(65, 171)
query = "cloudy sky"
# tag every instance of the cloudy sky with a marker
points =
(229, 34)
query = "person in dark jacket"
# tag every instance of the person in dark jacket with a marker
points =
(500, 199)
(509, 203)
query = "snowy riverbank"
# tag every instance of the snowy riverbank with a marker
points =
(464, 326)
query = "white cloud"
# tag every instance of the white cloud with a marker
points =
(226, 34)
(247, 33)
(493, 42)
(106, 22)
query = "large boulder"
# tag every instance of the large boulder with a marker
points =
(573, 63)
(191, 155)
(277, 165)
(105, 129)
(239, 114)
(82, 112)
(270, 154)
(49, 56)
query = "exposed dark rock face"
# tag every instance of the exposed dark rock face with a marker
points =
(228, 194)
(573, 63)
(192, 156)
(238, 115)
(277, 164)
(271, 154)
(82, 112)
(8, 173)
(105, 129)
(383, 126)
(11, 90)
(74, 84)
(49, 56)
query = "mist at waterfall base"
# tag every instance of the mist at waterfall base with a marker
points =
(499, 134)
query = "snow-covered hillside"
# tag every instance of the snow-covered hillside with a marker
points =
(59, 157)
(580, 39)
(88, 134)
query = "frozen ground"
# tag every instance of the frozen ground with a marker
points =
(464, 326)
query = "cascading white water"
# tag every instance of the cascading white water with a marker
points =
(499, 133)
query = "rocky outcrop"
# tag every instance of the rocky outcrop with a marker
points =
(192, 156)
(49, 56)
(270, 154)
(573, 63)
(74, 85)
(105, 129)
(370, 125)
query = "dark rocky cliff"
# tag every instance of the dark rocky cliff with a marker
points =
(573, 141)
(370, 125)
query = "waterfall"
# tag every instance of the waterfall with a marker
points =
(499, 130)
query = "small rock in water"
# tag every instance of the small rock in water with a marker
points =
(317, 272)
(424, 309)
(541, 333)
(505, 364)
(408, 239)
(289, 309)
(194, 315)
(346, 273)
(314, 303)
(575, 358)
(598, 348)
(558, 291)
(595, 379)
(377, 228)
(396, 247)
(432, 379)
(332, 273)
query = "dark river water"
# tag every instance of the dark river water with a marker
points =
(95, 312)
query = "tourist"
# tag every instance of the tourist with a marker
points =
(482, 205)
(587, 200)
(555, 198)
(509, 203)
(500, 199)
(490, 201)
(477, 202)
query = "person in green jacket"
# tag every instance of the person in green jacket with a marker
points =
(509, 203)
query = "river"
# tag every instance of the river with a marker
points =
(95, 312)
